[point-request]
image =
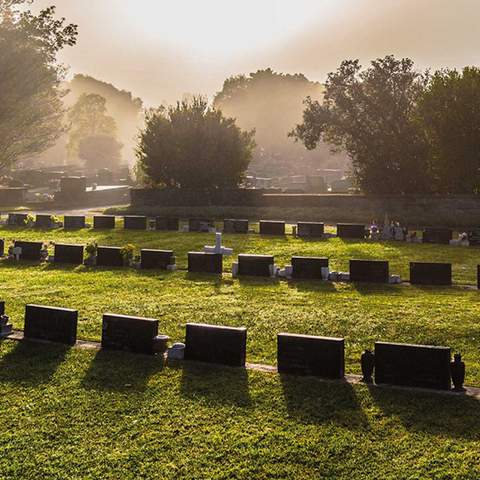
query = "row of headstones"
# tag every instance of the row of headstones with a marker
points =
(308, 268)
(267, 227)
(393, 363)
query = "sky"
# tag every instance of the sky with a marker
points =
(160, 50)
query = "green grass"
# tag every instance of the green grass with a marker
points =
(87, 414)
(360, 313)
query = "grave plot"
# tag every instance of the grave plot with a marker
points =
(309, 268)
(69, 254)
(203, 262)
(271, 227)
(104, 222)
(424, 273)
(369, 271)
(256, 265)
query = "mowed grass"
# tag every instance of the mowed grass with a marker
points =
(362, 313)
(72, 413)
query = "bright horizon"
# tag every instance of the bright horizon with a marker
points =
(160, 50)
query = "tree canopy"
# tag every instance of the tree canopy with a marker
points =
(192, 145)
(371, 114)
(100, 151)
(31, 109)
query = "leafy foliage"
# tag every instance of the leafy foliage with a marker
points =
(192, 145)
(31, 109)
(450, 113)
(88, 118)
(371, 115)
(100, 151)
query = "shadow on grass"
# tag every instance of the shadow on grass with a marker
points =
(312, 401)
(320, 286)
(214, 384)
(367, 288)
(435, 414)
(32, 363)
(121, 371)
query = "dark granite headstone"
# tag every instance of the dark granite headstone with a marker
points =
(231, 225)
(104, 222)
(216, 344)
(72, 254)
(73, 222)
(133, 334)
(17, 219)
(373, 271)
(350, 230)
(437, 235)
(430, 273)
(478, 277)
(44, 221)
(270, 227)
(200, 225)
(310, 355)
(202, 262)
(159, 259)
(412, 365)
(135, 222)
(474, 237)
(308, 267)
(2, 248)
(30, 250)
(310, 229)
(2, 308)
(109, 257)
(169, 224)
(255, 265)
(51, 323)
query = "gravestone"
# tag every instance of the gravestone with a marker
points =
(109, 257)
(350, 230)
(255, 265)
(216, 344)
(308, 267)
(202, 262)
(51, 324)
(71, 254)
(200, 225)
(43, 221)
(373, 271)
(478, 277)
(2, 248)
(132, 334)
(422, 273)
(168, 224)
(311, 355)
(104, 222)
(474, 237)
(437, 235)
(73, 222)
(17, 219)
(135, 222)
(412, 365)
(235, 226)
(310, 229)
(270, 227)
(2, 308)
(30, 250)
(160, 259)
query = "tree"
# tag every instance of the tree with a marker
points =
(88, 118)
(449, 111)
(100, 151)
(192, 145)
(371, 114)
(271, 103)
(31, 110)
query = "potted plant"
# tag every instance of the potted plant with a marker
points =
(368, 365)
(127, 252)
(457, 370)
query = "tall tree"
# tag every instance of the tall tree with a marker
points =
(88, 118)
(100, 151)
(31, 109)
(450, 113)
(193, 146)
(371, 114)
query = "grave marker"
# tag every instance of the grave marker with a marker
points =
(255, 265)
(200, 225)
(135, 222)
(104, 222)
(412, 365)
(156, 259)
(51, 324)
(43, 221)
(373, 271)
(71, 254)
(216, 344)
(202, 262)
(422, 273)
(308, 267)
(350, 230)
(235, 226)
(30, 250)
(133, 334)
(437, 235)
(17, 219)
(270, 227)
(109, 257)
(310, 229)
(73, 222)
(168, 224)
(311, 355)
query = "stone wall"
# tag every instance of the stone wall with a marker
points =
(453, 211)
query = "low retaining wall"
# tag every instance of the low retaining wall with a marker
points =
(414, 210)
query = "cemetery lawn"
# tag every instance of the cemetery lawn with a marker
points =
(362, 313)
(74, 413)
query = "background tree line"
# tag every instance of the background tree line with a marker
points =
(405, 131)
